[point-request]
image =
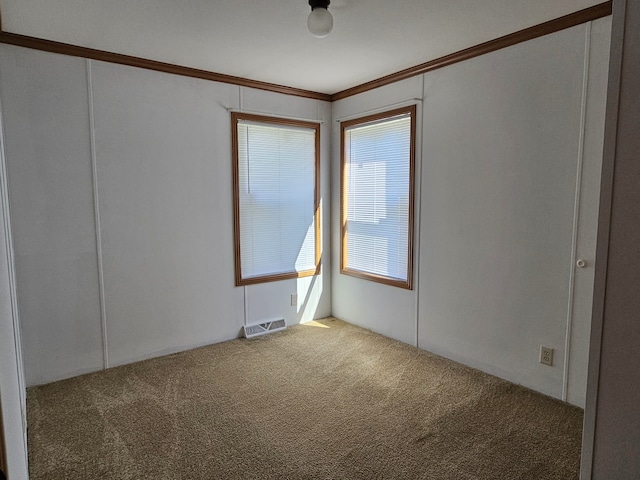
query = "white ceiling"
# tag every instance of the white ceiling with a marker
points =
(267, 40)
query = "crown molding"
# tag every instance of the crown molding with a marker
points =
(552, 26)
(104, 56)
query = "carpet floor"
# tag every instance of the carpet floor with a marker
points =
(325, 400)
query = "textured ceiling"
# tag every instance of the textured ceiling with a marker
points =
(267, 40)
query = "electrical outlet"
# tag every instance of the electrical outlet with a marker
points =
(294, 299)
(546, 355)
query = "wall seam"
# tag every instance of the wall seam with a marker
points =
(576, 212)
(417, 208)
(329, 209)
(245, 288)
(96, 209)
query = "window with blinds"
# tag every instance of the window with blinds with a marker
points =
(276, 165)
(377, 179)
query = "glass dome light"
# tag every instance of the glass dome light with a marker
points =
(320, 20)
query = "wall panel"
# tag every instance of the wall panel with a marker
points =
(46, 121)
(500, 151)
(163, 148)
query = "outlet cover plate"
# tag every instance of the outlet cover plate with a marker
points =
(546, 355)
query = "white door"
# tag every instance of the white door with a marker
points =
(12, 386)
(586, 222)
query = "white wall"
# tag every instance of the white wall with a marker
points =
(155, 150)
(501, 143)
(163, 169)
(46, 120)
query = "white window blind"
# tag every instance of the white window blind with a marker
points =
(377, 198)
(276, 200)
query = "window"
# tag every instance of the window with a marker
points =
(377, 177)
(276, 165)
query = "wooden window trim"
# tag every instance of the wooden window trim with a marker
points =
(408, 284)
(235, 118)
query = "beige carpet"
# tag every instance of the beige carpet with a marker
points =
(322, 401)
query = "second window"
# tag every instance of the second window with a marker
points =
(377, 178)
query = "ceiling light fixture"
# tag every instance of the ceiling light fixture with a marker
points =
(320, 21)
